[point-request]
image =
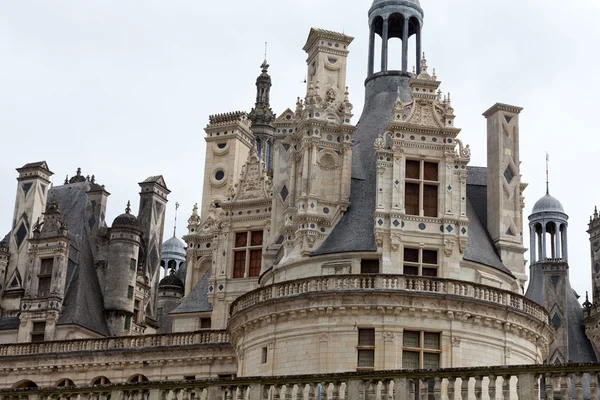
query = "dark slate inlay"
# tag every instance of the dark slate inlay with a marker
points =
(555, 280)
(21, 234)
(449, 228)
(380, 222)
(43, 187)
(284, 193)
(210, 289)
(597, 267)
(158, 209)
(286, 146)
(403, 224)
(422, 226)
(92, 221)
(326, 210)
(508, 118)
(442, 228)
(221, 287)
(26, 187)
(449, 188)
(94, 203)
(508, 175)
(510, 232)
(396, 223)
(556, 321)
(464, 231)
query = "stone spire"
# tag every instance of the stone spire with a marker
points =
(262, 117)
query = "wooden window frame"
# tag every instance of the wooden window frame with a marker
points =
(248, 253)
(45, 275)
(365, 347)
(37, 333)
(130, 292)
(422, 350)
(422, 182)
(420, 264)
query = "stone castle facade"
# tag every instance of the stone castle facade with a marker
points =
(319, 246)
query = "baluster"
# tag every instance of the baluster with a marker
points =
(549, 387)
(324, 390)
(506, 387)
(401, 389)
(492, 387)
(451, 388)
(336, 390)
(370, 388)
(437, 388)
(300, 391)
(229, 393)
(276, 392)
(464, 388)
(565, 387)
(578, 386)
(288, 391)
(478, 387)
(265, 392)
(311, 391)
(594, 385)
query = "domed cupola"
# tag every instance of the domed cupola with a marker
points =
(171, 281)
(395, 19)
(548, 224)
(126, 220)
(173, 254)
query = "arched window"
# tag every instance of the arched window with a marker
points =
(66, 382)
(162, 263)
(101, 380)
(181, 264)
(25, 384)
(137, 379)
(173, 264)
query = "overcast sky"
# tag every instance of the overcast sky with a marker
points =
(123, 89)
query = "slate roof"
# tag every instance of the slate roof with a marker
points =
(354, 232)
(197, 299)
(83, 303)
(6, 239)
(9, 323)
(580, 348)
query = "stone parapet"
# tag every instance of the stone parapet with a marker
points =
(528, 382)
(115, 343)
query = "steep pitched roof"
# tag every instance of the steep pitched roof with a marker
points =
(197, 299)
(83, 303)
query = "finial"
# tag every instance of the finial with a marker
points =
(414, 70)
(128, 208)
(596, 212)
(87, 178)
(439, 93)
(67, 180)
(547, 175)
(175, 226)
(449, 100)
(434, 76)
(93, 178)
(424, 63)
(79, 171)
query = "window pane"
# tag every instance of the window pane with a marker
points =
(430, 173)
(430, 257)
(369, 266)
(409, 270)
(130, 292)
(413, 169)
(412, 198)
(44, 286)
(205, 323)
(366, 337)
(37, 338)
(239, 264)
(431, 272)
(431, 361)
(410, 360)
(132, 264)
(46, 267)
(412, 339)
(432, 341)
(255, 262)
(257, 239)
(366, 358)
(39, 327)
(241, 239)
(430, 201)
(411, 255)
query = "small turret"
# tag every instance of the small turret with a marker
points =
(121, 272)
(170, 292)
(262, 118)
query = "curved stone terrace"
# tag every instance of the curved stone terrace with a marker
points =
(400, 284)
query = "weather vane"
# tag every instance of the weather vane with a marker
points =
(175, 226)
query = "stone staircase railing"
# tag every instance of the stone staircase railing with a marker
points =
(392, 283)
(577, 382)
(125, 342)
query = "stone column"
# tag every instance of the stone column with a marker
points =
(565, 247)
(418, 48)
(371, 63)
(405, 45)
(384, 44)
(532, 240)
(557, 246)
(543, 242)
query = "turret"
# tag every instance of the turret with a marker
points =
(121, 272)
(170, 292)
(592, 309)
(95, 213)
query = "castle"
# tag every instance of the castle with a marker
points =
(319, 246)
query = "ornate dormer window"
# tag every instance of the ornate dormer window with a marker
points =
(45, 277)
(422, 182)
(421, 262)
(247, 254)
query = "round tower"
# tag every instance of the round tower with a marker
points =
(121, 272)
(548, 224)
(170, 292)
(173, 254)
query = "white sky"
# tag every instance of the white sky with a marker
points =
(123, 89)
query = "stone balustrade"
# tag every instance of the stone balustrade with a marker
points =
(577, 382)
(126, 342)
(392, 283)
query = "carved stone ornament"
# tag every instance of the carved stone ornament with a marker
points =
(456, 342)
(323, 337)
(379, 239)
(449, 247)
(389, 337)
(463, 245)
(271, 344)
(254, 182)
